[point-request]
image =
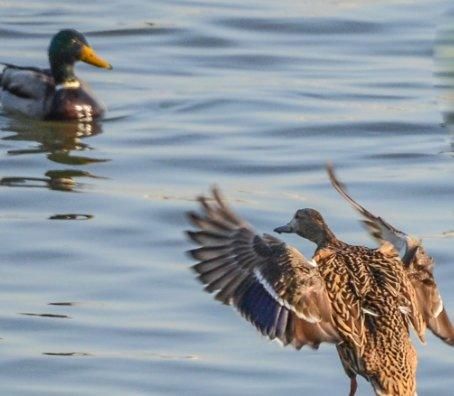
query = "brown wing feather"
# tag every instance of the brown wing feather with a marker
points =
(418, 265)
(271, 284)
(378, 228)
(442, 327)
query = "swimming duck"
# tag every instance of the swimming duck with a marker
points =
(55, 93)
(417, 264)
(357, 298)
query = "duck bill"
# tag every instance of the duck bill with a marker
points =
(288, 228)
(88, 55)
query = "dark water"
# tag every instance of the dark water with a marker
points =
(95, 293)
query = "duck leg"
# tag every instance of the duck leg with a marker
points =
(347, 359)
(353, 386)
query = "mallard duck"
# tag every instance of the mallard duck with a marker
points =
(55, 93)
(417, 264)
(357, 298)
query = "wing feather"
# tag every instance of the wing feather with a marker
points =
(442, 327)
(271, 284)
(377, 227)
(26, 82)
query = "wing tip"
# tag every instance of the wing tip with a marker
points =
(336, 183)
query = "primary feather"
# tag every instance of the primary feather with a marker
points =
(271, 284)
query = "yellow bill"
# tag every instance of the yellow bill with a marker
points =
(88, 55)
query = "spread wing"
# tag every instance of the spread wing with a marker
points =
(271, 284)
(417, 262)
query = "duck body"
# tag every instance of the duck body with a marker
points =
(32, 92)
(373, 302)
(55, 93)
(361, 300)
(372, 311)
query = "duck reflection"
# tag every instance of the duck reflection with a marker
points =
(58, 141)
(60, 180)
(444, 64)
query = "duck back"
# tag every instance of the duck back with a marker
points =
(26, 91)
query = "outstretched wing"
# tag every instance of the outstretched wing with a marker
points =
(271, 284)
(417, 262)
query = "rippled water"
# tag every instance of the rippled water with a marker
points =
(95, 293)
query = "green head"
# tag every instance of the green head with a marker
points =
(66, 48)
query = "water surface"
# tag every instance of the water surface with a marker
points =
(95, 295)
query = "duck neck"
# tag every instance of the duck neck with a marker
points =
(325, 237)
(62, 72)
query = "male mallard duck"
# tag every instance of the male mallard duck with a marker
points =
(417, 264)
(55, 93)
(358, 298)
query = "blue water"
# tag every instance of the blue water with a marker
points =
(96, 296)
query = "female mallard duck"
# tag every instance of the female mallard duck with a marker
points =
(417, 263)
(357, 298)
(55, 93)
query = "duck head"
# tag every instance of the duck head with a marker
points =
(66, 48)
(309, 224)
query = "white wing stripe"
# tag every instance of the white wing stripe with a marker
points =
(272, 292)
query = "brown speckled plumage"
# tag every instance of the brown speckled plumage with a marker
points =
(372, 309)
(360, 299)
(417, 265)
(373, 304)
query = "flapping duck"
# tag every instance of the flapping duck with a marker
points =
(362, 300)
